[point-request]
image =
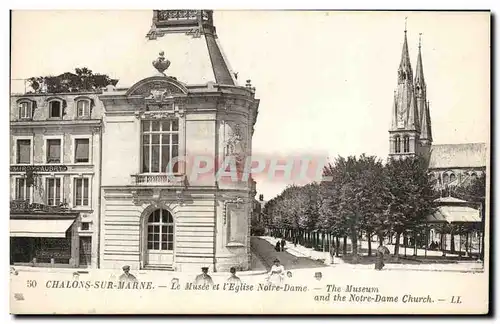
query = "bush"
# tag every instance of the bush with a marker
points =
(258, 231)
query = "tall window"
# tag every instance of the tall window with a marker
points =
(25, 110)
(53, 151)
(23, 151)
(81, 192)
(83, 108)
(160, 143)
(406, 144)
(82, 150)
(397, 144)
(55, 109)
(23, 192)
(160, 230)
(53, 191)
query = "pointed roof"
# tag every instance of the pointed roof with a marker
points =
(405, 65)
(191, 43)
(425, 124)
(419, 73)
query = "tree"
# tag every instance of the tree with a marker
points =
(412, 196)
(82, 80)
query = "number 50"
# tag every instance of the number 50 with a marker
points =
(31, 283)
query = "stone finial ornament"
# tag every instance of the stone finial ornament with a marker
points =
(161, 63)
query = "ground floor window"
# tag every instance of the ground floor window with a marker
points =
(25, 249)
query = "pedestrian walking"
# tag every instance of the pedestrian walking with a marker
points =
(283, 243)
(379, 263)
(277, 273)
(332, 253)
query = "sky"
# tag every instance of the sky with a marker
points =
(325, 80)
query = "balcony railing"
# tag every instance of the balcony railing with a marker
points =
(159, 180)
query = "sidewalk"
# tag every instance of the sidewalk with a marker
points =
(117, 272)
(301, 251)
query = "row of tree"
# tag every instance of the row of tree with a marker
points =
(363, 196)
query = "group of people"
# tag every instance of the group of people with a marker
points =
(280, 245)
(434, 245)
(205, 278)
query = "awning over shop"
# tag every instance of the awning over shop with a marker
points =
(455, 214)
(40, 228)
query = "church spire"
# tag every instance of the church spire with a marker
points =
(426, 132)
(419, 73)
(405, 72)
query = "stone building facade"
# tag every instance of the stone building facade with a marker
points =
(157, 213)
(55, 144)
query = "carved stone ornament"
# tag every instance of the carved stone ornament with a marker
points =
(156, 197)
(161, 64)
(236, 201)
(195, 32)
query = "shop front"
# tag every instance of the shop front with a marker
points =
(43, 236)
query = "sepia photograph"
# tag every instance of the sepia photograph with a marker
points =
(257, 162)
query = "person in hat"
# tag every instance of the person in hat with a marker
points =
(127, 276)
(233, 278)
(277, 273)
(379, 261)
(204, 278)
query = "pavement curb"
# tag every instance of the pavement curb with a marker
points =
(140, 272)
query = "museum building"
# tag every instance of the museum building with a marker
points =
(155, 214)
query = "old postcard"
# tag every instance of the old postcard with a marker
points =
(249, 162)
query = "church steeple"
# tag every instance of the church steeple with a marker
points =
(405, 72)
(422, 103)
(405, 128)
(420, 87)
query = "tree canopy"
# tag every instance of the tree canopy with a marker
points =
(82, 80)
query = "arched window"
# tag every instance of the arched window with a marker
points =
(160, 230)
(83, 108)
(397, 144)
(55, 108)
(25, 109)
(406, 144)
(473, 176)
(446, 179)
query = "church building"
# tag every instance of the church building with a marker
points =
(411, 130)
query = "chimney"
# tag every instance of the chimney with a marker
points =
(261, 197)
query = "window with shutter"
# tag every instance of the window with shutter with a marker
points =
(23, 151)
(82, 150)
(54, 151)
(83, 108)
(25, 110)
